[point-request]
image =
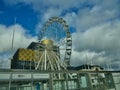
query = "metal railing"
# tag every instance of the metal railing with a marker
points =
(46, 80)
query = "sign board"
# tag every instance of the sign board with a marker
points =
(21, 76)
(40, 76)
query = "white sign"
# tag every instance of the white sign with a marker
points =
(40, 76)
(21, 76)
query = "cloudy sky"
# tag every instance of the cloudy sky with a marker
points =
(94, 25)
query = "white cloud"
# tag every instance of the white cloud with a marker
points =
(95, 13)
(51, 12)
(89, 57)
(96, 40)
(70, 18)
(37, 4)
(87, 18)
(21, 40)
(101, 37)
(95, 58)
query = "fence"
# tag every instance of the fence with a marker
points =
(68, 80)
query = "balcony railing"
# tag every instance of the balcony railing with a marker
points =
(59, 80)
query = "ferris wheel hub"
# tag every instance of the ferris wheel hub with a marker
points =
(48, 43)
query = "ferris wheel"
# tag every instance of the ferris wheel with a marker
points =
(56, 33)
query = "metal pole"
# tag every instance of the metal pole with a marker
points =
(32, 81)
(66, 79)
(10, 80)
(51, 81)
(13, 35)
(45, 59)
(89, 82)
(78, 81)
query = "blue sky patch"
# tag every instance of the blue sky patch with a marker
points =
(24, 14)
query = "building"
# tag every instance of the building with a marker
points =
(87, 67)
(28, 58)
(23, 59)
(44, 80)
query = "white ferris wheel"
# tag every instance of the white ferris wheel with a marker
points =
(55, 46)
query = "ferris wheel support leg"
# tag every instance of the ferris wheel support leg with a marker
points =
(45, 60)
(39, 61)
